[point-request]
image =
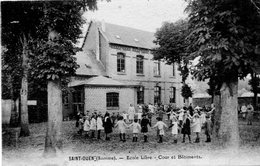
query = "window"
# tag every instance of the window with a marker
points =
(157, 94)
(139, 64)
(173, 70)
(78, 101)
(120, 62)
(140, 95)
(172, 94)
(112, 100)
(157, 68)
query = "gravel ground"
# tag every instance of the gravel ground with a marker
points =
(29, 150)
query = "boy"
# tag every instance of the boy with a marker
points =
(208, 128)
(144, 126)
(160, 126)
(121, 126)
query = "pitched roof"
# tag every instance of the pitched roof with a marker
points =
(99, 81)
(127, 36)
(88, 64)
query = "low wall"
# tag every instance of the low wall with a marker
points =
(7, 106)
(207, 101)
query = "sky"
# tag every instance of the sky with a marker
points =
(146, 15)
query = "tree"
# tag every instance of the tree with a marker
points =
(255, 85)
(17, 18)
(222, 35)
(11, 81)
(53, 28)
(186, 93)
(171, 39)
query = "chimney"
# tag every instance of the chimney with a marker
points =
(103, 25)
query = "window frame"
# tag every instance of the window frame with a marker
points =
(157, 94)
(157, 68)
(121, 63)
(112, 100)
(172, 95)
(140, 95)
(140, 64)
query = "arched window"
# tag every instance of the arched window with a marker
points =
(157, 94)
(112, 100)
(172, 94)
(121, 62)
(139, 64)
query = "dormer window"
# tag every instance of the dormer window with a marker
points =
(117, 36)
(136, 40)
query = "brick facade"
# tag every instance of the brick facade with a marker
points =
(105, 46)
(95, 98)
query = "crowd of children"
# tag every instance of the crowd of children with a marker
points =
(181, 121)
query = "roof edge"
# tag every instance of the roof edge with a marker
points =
(85, 38)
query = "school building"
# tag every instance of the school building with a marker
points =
(117, 69)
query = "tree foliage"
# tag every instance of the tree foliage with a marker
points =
(255, 84)
(35, 20)
(186, 91)
(223, 36)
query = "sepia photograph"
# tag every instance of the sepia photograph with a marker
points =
(130, 82)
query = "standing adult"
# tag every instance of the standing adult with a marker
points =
(131, 113)
(107, 125)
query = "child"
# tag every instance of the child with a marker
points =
(174, 126)
(81, 123)
(144, 126)
(108, 125)
(160, 126)
(121, 126)
(208, 128)
(196, 126)
(136, 129)
(99, 125)
(113, 118)
(93, 125)
(87, 126)
(125, 116)
(139, 113)
(185, 127)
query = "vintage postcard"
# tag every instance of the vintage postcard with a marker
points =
(130, 82)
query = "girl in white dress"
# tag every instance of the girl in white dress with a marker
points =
(160, 126)
(99, 125)
(86, 126)
(174, 127)
(196, 126)
(136, 129)
(139, 113)
(122, 128)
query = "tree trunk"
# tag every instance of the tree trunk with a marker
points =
(24, 92)
(14, 114)
(225, 130)
(255, 89)
(53, 135)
